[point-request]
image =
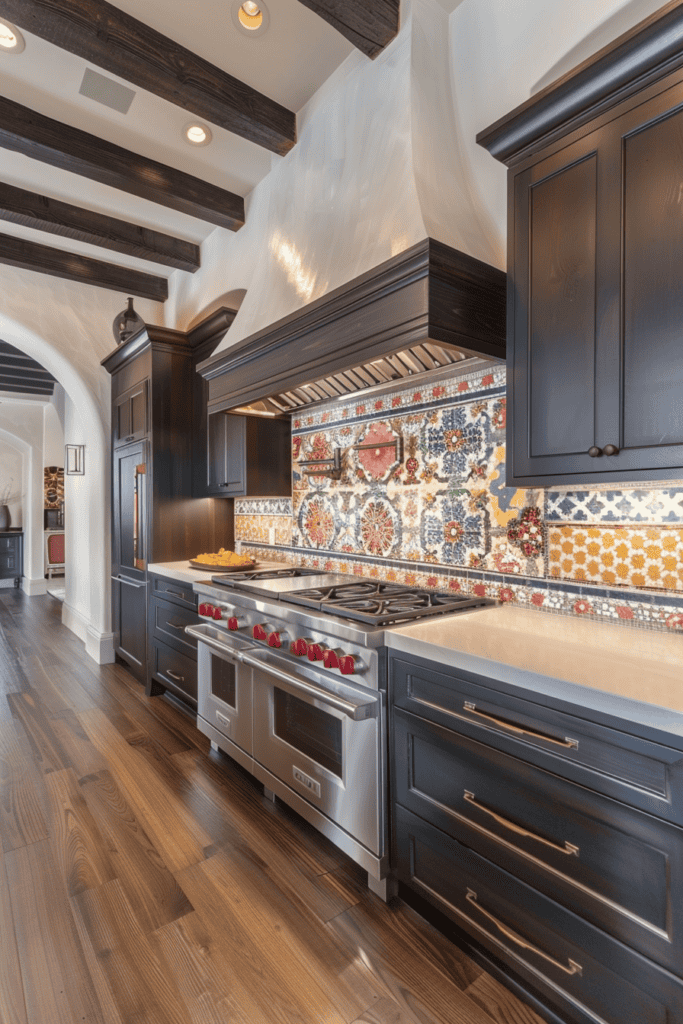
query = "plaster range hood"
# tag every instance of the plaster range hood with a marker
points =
(430, 313)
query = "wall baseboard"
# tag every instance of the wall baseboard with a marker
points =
(100, 646)
(74, 621)
(34, 587)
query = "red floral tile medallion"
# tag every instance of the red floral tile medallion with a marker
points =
(377, 528)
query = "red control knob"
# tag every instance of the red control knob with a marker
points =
(233, 623)
(203, 609)
(315, 652)
(259, 633)
(347, 665)
(217, 613)
(300, 647)
(331, 658)
(274, 639)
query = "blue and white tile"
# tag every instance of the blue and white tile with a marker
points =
(615, 506)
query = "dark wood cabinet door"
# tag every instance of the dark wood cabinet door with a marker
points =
(130, 510)
(595, 353)
(226, 454)
(130, 419)
(129, 604)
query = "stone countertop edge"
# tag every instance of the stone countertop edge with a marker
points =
(184, 573)
(661, 722)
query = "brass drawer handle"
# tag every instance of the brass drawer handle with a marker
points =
(566, 848)
(571, 968)
(174, 675)
(566, 742)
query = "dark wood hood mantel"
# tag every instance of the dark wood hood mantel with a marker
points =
(430, 292)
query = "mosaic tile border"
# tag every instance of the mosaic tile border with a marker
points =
(465, 388)
(263, 506)
(641, 609)
(621, 506)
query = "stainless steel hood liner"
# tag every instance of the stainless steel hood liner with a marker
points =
(425, 311)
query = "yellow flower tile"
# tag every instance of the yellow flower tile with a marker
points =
(636, 556)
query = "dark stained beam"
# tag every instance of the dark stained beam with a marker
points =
(26, 389)
(17, 252)
(18, 206)
(121, 44)
(369, 26)
(30, 374)
(18, 362)
(25, 131)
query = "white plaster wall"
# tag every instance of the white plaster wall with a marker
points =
(53, 437)
(500, 54)
(12, 470)
(21, 425)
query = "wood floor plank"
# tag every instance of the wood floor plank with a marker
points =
(165, 817)
(12, 1002)
(57, 983)
(48, 752)
(21, 813)
(500, 1004)
(144, 717)
(81, 855)
(208, 983)
(83, 754)
(42, 685)
(310, 971)
(142, 989)
(59, 675)
(153, 892)
(421, 970)
(386, 1011)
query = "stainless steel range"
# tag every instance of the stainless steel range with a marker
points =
(291, 685)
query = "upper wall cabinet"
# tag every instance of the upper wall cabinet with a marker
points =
(247, 455)
(595, 251)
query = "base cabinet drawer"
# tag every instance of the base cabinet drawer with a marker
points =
(176, 671)
(633, 770)
(173, 590)
(587, 976)
(168, 622)
(617, 867)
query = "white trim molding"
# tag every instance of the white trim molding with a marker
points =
(100, 646)
(75, 621)
(34, 587)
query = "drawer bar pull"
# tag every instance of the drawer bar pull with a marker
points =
(566, 848)
(571, 968)
(174, 593)
(174, 675)
(566, 742)
(175, 625)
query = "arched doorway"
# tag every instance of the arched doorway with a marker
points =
(87, 605)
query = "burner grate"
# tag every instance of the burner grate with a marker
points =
(380, 604)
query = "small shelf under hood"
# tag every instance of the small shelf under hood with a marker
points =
(429, 311)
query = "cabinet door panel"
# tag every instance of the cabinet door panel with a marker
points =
(131, 529)
(129, 598)
(561, 366)
(653, 284)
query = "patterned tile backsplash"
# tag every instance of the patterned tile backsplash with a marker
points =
(421, 499)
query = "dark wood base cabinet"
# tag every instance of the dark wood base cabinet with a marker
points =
(11, 556)
(533, 831)
(172, 653)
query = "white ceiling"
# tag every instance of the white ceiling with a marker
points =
(288, 63)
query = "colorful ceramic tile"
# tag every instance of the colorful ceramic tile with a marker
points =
(263, 506)
(622, 555)
(615, 506)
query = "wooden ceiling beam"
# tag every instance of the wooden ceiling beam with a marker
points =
(17, 252)
(126, 47)
(29, 374)
(369, 26)
(18, 206)
(25, 389)
(23, 130)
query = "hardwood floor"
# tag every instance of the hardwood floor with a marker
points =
(146, 880)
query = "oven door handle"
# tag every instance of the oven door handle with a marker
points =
(227, 652)
(356, 708)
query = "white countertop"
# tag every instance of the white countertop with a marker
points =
(641, 665)
(184, 573)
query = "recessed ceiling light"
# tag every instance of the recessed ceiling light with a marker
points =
(250, 17)
(197, 134)
(11, 39)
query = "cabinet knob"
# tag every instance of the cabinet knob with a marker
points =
(611, 449)
(594, 452)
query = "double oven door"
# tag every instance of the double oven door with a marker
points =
(306, 735)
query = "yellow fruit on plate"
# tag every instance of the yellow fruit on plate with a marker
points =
(223, 557)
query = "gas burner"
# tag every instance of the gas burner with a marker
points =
(380, 604)
(229, 579)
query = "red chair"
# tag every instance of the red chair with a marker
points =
(54, 554)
